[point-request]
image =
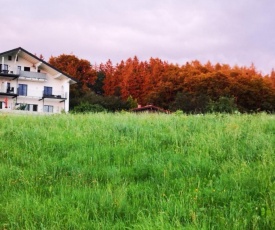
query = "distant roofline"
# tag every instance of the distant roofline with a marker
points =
(150, 107)
(44, 62)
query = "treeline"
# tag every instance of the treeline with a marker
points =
(192, 87)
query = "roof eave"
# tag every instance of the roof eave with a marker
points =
(73, 80)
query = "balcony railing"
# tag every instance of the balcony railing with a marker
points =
(57, 95)
(9, 91)
(33, 75)
(7, 74)
(52, 96)
(4, 68)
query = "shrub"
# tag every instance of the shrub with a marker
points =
(22, 107)
(223, 105)
(86, 107)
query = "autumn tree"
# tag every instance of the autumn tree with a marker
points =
(272, 78)
(193, 87)
(81, 70)
(78, 68)
(113, 78)
(132, 79)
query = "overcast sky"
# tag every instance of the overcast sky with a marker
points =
(226, 31)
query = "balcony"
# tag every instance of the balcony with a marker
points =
(27, 75)
(4, 68)
(11, 74)
(7, 74)
(9, 92)
(62, 97)
(52, 96)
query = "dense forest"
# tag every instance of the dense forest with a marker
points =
(192, 87)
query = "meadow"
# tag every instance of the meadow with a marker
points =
(129, 171)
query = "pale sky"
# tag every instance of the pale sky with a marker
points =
(226, 31)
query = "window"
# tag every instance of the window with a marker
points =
(32, 107)
(9, 58)
(27, 69)
(3, 105)
(22, 90)
(48, 90)
(28, 107)
(48, 108)
(35, 108)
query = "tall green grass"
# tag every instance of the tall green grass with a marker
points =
(128, 171)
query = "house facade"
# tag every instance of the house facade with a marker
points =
(29, 83)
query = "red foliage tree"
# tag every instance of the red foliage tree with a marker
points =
(78, 68)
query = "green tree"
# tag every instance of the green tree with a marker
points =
(223, 105)
(132, 102)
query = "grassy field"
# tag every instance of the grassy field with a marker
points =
(127, 171)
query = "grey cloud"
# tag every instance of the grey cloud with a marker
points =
(233, 32)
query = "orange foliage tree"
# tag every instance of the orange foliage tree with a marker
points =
(78, 68)
(190, 87)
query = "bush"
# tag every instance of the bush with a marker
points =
(109, 103)
(190, 103)
(22, 107)
(223, 105)
(86, 107)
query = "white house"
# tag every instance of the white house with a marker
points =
(29, 83)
